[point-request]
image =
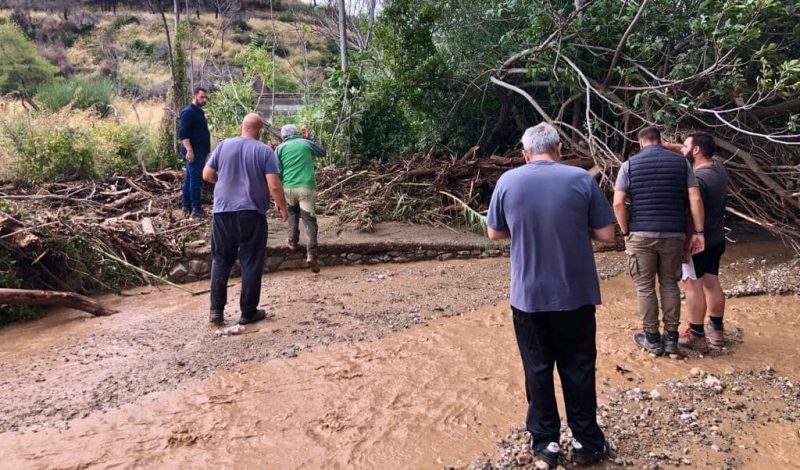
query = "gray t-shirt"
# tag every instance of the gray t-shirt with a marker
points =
(713, 181)
(549, 209)
(623, 183)
(242, 165)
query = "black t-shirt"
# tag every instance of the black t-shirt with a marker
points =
(713, 180)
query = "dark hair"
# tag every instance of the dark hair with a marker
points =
(650, 134)
(705, 142)
(198, 90)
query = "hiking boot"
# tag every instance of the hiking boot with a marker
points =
(690, 340)
(671, 343)
(258, 315)
(187, 211)
(650, 342)
(582, 455)
(715, 336)
(548, 454)
(313, 264)
(216, 317)
(198, 213)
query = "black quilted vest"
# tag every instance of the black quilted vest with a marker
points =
(658, 191)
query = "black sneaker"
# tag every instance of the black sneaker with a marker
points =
(198, 213)
(216, 317)
(671, 343)
(258, 315)
(313, 265)
(187, 211)
(582, 455)
(548, 454)
(650, 342)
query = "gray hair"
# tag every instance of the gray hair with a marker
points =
(287, 130)
(541, 138)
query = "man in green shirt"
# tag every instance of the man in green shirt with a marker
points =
(296, 155)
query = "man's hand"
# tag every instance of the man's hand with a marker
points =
(283, 215)
(190, 156)
(305, 132)
(697, 244)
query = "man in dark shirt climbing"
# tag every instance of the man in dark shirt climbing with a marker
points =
(195, 147)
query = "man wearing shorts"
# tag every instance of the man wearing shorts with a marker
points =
(704, 296)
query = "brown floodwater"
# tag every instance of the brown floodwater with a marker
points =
(435, 394)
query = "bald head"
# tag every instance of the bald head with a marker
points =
(252, 125)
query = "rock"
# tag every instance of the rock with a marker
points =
(541, 465)
(178, 273)
(711, 381)
(353, 257)
(445, 256)
(769, 369)
(695, 371)
(199, 267)
(655, 394)
(715, 447)
(524, 458)
(231, 330)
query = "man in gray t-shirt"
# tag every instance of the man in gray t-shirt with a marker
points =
(704, 294)
(551, 212)
(245, 172)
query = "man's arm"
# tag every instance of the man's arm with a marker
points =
(621, 210)
(698, 241)
(187, 144)
(209, 174)
(497, 234)
(674, 147)
(183, 134)
(604, 235)
(276, 191)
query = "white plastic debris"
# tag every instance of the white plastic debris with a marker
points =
(231, 330)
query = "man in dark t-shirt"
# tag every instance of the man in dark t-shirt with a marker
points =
(704, 294)
(195, 147)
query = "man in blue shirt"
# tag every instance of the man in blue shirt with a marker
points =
(195, 146)
(245, 173)
(552, 212)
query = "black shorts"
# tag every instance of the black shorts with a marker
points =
(707, 261)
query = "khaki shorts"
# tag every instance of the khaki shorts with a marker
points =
(306, 198)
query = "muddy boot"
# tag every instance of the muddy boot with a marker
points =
(216, 317)
(547, 453)
(313, 265)
(650, 342)
(671, 342)
(253, 317)
(690, 340)
(584, 456)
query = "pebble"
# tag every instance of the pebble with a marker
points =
(541, 465)
(524, 458)
(655, 394)
(711, 381)
(695, 371)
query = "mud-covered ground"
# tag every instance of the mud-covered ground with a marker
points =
(69, 373)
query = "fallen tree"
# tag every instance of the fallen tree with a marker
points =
(50, 298)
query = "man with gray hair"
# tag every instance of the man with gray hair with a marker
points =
(551, 212)
(296, 155)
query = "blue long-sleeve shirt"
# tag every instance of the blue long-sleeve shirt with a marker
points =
(194, 126)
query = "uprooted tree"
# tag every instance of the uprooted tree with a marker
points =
(464, 73)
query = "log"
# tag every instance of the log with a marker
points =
(50, 297)
(147, 226)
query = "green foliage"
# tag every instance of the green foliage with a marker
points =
(286, 16)
(21, 67)
(93, 93)
(227, 106)
(122, 21)
(139, 49)
(257, 66)
(10, 278)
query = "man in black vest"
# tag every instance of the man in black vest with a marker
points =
(660, 186)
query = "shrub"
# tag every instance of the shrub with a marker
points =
(21, 67)
(57, 55)
(10, 278)
(286, 16)
(124, 20)
(140, 48)
(94, 93)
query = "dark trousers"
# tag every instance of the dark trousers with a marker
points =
(242, 233)
(193, 183)
(567, 340)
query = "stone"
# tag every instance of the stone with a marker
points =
(695, 371)
(199, 267)
(353, 257)
(711, 381)
(524, 458)
(401, 259)
(445, 256)
(655, 394)
(178, 273)
(541, 465)
(394, 253)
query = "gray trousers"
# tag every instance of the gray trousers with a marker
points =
(301, 202)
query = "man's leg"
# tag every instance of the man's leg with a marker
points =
(293, 207)
(695, 336)
(670, 256)
(642, 266)
(715, 297)
(196, 182)
(538, 357)
(224, 245)
(574, 334)
(308, 200)
(186, 199)
(253, 229)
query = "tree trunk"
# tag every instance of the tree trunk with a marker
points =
(49, 297)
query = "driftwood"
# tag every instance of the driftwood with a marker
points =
(49, 297)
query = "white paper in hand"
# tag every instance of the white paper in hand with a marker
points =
(688, 271)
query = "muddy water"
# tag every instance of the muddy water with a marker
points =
(428, 396)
